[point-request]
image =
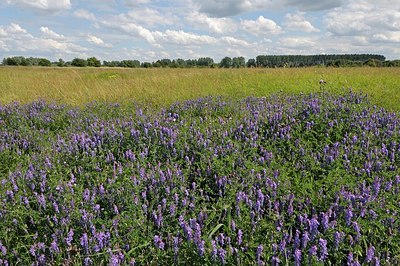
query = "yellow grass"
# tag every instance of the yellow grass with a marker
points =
(77, 86)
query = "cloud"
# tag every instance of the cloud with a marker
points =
(296, 42)
(48, 6)
(313, 5)
(184, 38)
(135, 2)
(215, 25)
(261, 26)
(218, 8)
(97, 41)
(155, 37)
(84, 14)
(235, 42)
(49, 34)
(298, 22)
(22, 41)
(391, 37)
(364, 17)
(147, 17)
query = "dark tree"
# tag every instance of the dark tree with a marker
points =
(226, 62)
(79, 62)
(93, 62)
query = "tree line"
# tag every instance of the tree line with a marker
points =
(265, 61)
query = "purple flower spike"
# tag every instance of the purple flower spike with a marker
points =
(370, 254)
(297, 257)
(158, 242)
(260, 249)
(323, 249)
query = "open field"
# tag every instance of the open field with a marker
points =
(164, 86)
(284, 179)
(300, 180)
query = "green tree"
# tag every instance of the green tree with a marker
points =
(44, 62)
(60, 63)
(238, 62)
(93, 62)
(251, 63)
(226, 62)
(79, 62)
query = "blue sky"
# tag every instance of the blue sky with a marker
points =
(148, 30)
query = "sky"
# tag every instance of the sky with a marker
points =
(148, 30)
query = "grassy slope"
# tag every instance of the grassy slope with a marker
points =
(164, 86)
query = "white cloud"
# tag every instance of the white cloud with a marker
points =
(48, 33)
(147, 17)
(84, 14)
(97, 41)
(50, 6)
(133, 30)
(261, 26)
(387, 37)
(297, 21)
(22, 41)
(235, 42)
(215, 25)
(346, 23)
(184, 38)
(156, 37)
(297, 42)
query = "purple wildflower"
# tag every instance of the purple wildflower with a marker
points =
(239, 237)
(214, 251)
(323, 249)
(349, 215)
(69, 237)
(87, 261)
(84, 242)
(221, 255)
(305, 239)
(260, 249)
(297, 257)
(370, 254)
(158, 242)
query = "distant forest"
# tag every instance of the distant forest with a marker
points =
(263, 61)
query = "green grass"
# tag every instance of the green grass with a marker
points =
(161, 87)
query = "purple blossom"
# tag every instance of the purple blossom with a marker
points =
(305, 239)
(349, 216)
(158, 242)
(260, 249)
(221, 255)
(337, 238)
(323, 249)
(370, 254)
(239, 237)
(69, 237)
(85, 242)
(297, 257)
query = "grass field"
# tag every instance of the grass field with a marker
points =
(288, 179)
(76, 86)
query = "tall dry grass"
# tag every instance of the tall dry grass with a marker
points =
(77, 86)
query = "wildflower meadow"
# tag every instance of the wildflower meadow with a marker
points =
(288, 179)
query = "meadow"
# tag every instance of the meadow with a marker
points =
(162, 87)
(199, 166)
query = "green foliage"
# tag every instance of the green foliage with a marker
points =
(79, 62)
(93, 62)
(44, 62)
(226, 62)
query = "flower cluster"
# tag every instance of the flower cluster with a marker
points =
(304, 179)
